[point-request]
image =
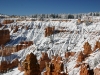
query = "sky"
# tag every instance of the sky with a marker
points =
(29, 7)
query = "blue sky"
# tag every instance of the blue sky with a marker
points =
(28, 7)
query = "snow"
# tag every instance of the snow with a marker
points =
(94, 59)
(15, 71)
(62, 42)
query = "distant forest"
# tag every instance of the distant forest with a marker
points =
(65, 16)
(58, 16)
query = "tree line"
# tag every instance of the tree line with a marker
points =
(65, 16)
(58, 16)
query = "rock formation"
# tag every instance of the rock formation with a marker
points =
(7, 21)
(80, 57)
(3, 66)
(55, 67)
(49, 31)
(31, 66)
(7, 50)
(67, 54)
(43, 60)
(87, 49)
(4, 36)
(16, 29)
(97, 71)
(24, 44)
(79, 21)
(97, 45)
(6, 65)
(20, 67)
(0, 25)
(85, 70)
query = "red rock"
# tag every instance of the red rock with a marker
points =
(97, 45)
(43, 60)
(0, 25)
(7, 21)
(87, 49)
(4, 36)
(80, 57)
(30, 43)
(20, 67)
(6, 65)
(6, 51)
(49, 31)
(67, 54)
(85, 70)
(77, 65)
(3, 66)
(16, 29)
(72, 53)
(55, 67)
(97, 71)
(15, 63)
(31, 66)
